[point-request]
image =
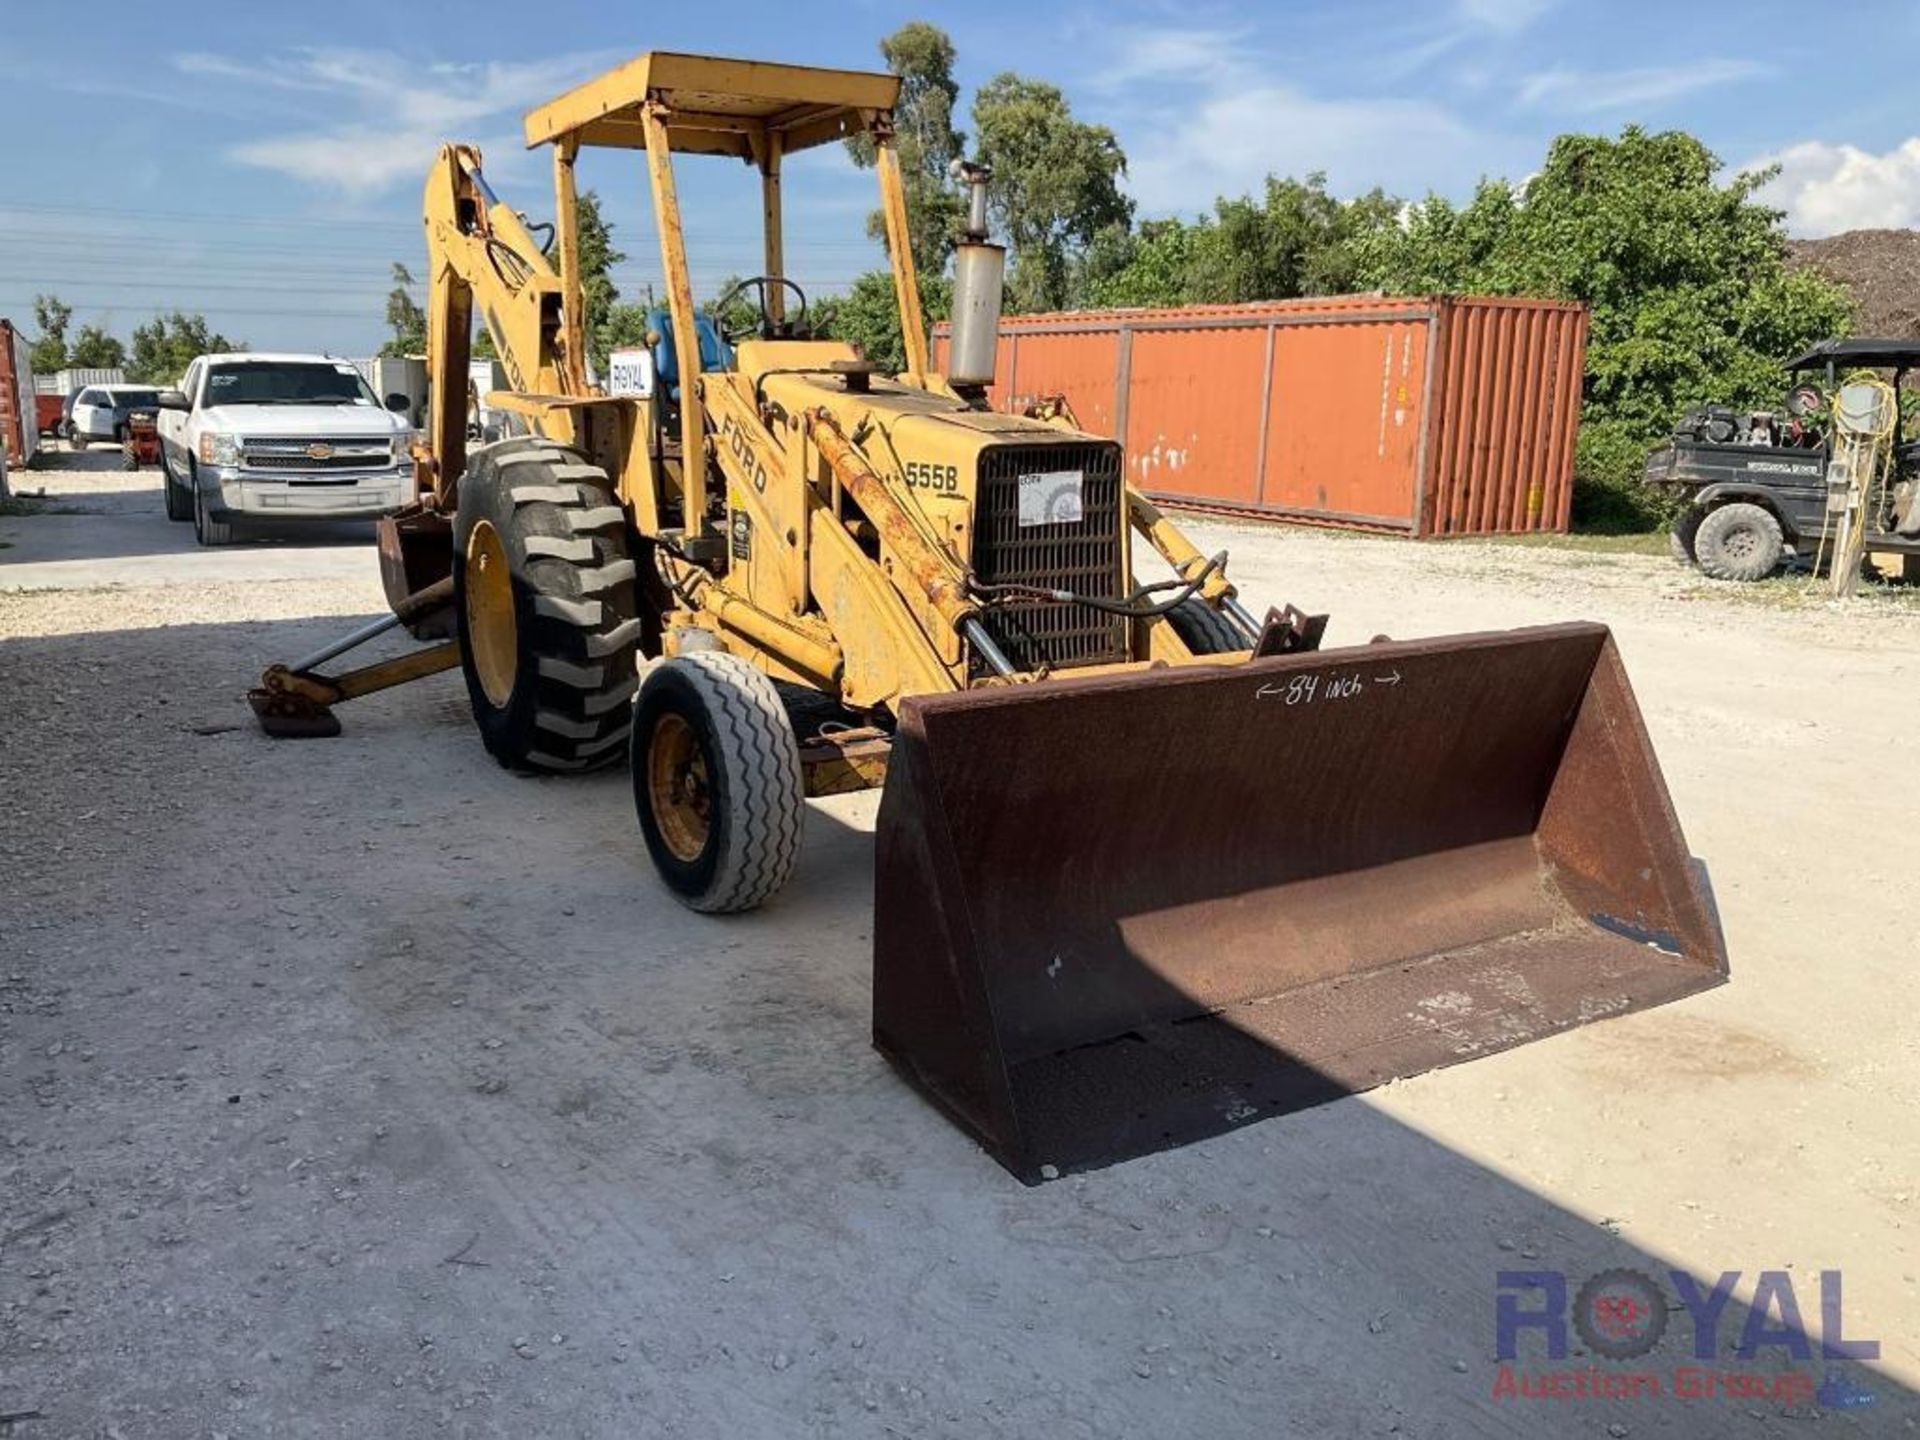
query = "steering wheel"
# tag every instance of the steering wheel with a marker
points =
(1803, 400)
(764, 326)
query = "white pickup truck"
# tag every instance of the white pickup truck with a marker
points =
(280, 437)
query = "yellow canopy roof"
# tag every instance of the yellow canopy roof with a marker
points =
(719, 106)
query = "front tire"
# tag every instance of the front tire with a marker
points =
(717, 781)
(1205, 630)
(206, 529)
(179, 498)
(545, 592)
(1738, 542)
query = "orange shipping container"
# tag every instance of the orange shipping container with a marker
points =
(1427, 416)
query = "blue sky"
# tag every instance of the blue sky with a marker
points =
(262, 162)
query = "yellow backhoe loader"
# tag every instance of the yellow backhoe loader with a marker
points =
(1148, 867)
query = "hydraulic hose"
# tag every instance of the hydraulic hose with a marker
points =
(1134, 606)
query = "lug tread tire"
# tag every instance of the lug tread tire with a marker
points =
(1715, 558)
(597, 517)
(581, 677)
(584, 613)
(568, 709)
(580, 552)
(533, 454)
(1205, 630)
(622, 637)
(760, 798)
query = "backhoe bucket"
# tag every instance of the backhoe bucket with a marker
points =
(1121, 913)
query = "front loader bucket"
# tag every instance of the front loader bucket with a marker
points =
(1121, 913)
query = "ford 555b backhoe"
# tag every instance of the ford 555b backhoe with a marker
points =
(1147, 868)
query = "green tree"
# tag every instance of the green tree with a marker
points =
(625, 327)
(404, 316)
(1685, 274)
(868, 316)
(1055, 187)
(1296, 239)
(597, 259)
(94, 349)
(167, 344)
(51, 317)
(922, 55)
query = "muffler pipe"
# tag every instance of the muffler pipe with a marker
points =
(979, 285)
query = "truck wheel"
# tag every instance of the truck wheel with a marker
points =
(544, 591)
(1680, 538)
(1204, 630)
(206, 529)
(717, 781)
(1738, 542)
(179, 498)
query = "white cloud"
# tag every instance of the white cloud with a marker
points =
(1159, 54)
(1235, 137)
(1585, 92)
(378, 116)
(1829, 188)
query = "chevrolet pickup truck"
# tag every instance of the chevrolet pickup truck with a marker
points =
(280, 437)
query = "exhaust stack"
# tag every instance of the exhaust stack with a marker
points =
(979, 279)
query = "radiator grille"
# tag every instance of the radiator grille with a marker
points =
(1083, 557)
(360, 453)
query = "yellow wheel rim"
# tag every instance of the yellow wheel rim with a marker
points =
(493, 638)
(677, 789)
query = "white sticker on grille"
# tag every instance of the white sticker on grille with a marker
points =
(1052, 498)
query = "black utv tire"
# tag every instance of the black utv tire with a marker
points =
(1205, 630)
(553, 691)
(717, 781)
(1680, 537)
(1738, 542)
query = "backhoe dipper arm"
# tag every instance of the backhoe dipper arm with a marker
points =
(480, 254)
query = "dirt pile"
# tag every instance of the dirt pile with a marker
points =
(1882, 270)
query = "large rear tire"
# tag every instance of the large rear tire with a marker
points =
(717, 781)
(1205, 630)
(1738, 542)
(545, 592)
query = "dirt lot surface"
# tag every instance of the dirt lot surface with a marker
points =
(362, 1088)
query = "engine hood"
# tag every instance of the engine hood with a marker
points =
(333, 422)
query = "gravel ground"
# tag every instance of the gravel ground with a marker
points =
(363, 1088)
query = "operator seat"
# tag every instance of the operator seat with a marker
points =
(715, 353)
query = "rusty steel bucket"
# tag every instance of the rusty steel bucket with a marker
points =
(1121, 913)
